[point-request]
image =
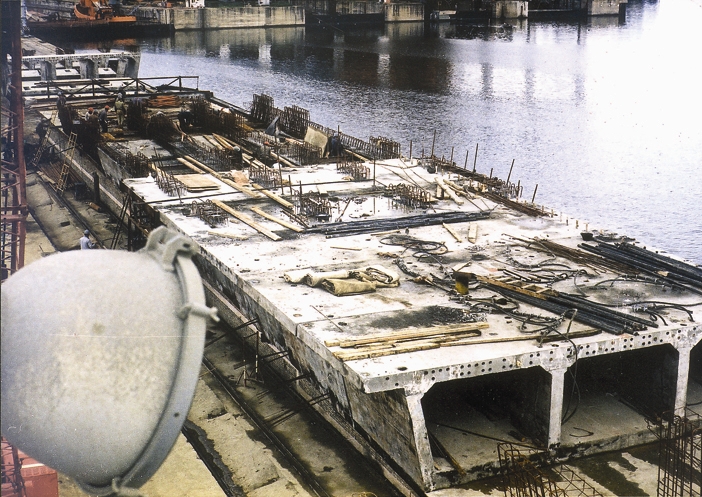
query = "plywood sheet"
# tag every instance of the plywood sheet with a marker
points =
(196, 182)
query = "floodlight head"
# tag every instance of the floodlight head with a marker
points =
(101, 352)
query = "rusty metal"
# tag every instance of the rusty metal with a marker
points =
(136, 165)
(680, 454)
(210, 213)
(137, 113)
(219, 160)
(14, 174)
(262, 108)
(357, 170)
(304, 153)
(313, 204)
(295, 121)
(409, 195)
(169, 184)
(387, 148)
(265, 176)
(433, 164)
(160, 127)
(12, 480)
(525, 474)
(232, 125)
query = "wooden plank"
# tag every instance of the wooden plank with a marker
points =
(196, 182)
(222, 142)
(273, 196)
(281, 222)
(190, 166)
(214, 173)
(213, 142)
(232, 143)
(228, 235)
(473, 232)
(448, 190)
(247, 220)
(356, 355)
(409, 334)
(541, 295)
(452, 231)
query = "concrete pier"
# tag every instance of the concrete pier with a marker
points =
(87, 65)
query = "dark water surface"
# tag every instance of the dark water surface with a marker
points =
(604, 115)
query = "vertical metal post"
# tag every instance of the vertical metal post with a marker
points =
(476, 157)
(510, 172)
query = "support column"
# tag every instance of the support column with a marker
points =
(421, 439)
(556, 411)
(681, 383)
(87, 69)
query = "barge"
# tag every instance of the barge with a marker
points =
(429, 311)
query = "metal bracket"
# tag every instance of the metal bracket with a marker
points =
(164, 245)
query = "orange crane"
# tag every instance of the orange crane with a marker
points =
(97, 10)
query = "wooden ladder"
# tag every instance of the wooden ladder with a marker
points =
(66, 167)
(45, 141)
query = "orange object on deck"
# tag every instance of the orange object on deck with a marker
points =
(96, 10)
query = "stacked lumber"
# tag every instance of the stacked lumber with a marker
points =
(411, 340)
(161, 101)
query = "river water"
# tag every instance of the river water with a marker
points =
(603, 114)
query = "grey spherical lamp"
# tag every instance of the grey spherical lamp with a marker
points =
(101, 352)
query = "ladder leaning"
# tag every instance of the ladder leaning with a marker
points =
(66, 167)
(44, 141)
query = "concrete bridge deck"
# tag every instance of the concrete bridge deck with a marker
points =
(437, 410)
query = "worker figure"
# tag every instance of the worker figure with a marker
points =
(102, 117)
(186, 119)
(89, 114)
(61, 102)
(335, 146)
(120, 110)
(85, 243)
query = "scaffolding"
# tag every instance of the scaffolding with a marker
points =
(12, 480)
(14, 173)
(526, 473)
(680, 454)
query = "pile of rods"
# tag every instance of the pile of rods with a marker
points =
(334, 230)
(578, 256)
(588, 312)
(679, 274)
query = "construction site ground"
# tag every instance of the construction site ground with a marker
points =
(256, 468)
